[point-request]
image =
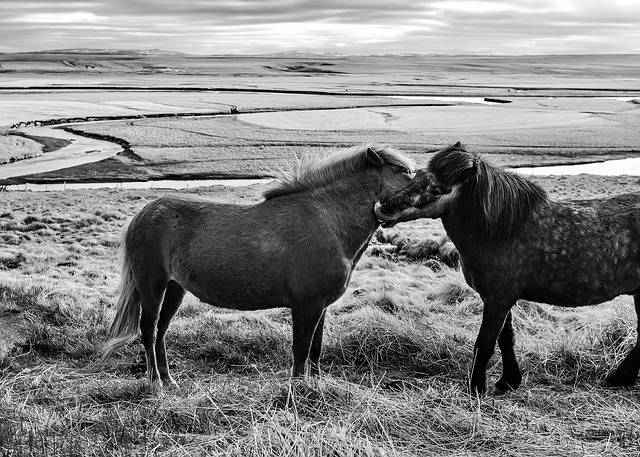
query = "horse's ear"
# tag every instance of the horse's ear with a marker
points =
(471, 170)
(374, 158)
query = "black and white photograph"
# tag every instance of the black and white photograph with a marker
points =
(319, 228)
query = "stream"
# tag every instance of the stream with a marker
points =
(160, 184)
(84, 150)
(81, 150)
(618, 167)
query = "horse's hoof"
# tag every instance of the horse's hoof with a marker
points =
(497, 391)
(617, 380)
(610, 385)
(477, 391)
(170, 383)
(155, 386)
(502, 387)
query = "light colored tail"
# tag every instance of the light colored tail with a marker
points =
(124, 328)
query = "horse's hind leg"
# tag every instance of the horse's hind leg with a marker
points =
(305, 323)
(151, 297)
(494, 315)
(172, 300)
(627, 373)
(511, 375)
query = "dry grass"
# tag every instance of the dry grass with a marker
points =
(14, 147)
(396, 356)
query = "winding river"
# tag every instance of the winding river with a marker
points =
(84, 150)
(81, 150)
(160, 184)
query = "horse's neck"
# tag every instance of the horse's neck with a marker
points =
(350, 203)
(473, 242)
(463, 232)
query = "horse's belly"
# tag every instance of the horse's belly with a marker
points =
(243, 290)
(568, 297)
(265, 288)
(246, 299)
(584, 287)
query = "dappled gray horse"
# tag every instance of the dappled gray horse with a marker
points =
(295, 249)
(514, 242)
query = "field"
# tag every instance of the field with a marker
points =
(249, 116)
(398, 344)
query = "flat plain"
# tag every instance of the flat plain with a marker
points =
(398, 344)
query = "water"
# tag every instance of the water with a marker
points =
(618, 167)
(85, 150)
(620, 99)
(162, 184)
(81, 150)
(479, 100)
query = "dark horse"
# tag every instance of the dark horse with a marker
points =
(516, 243)
(295, 249)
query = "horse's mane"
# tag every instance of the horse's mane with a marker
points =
(321, 172)
(499, 201)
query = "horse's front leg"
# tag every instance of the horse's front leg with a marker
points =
(493, 318)
(511, 375)
(306, 319)
(316, 348)
(627, 373)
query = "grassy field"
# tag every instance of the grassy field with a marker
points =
(396, 355)
(398, 345)
(247, 116)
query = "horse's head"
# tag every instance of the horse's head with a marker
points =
(422, 197)
(395, 170)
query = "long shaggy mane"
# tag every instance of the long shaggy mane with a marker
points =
(321, 172)
(499, 201)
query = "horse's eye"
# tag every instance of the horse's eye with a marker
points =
(405, 171)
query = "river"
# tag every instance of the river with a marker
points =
(160, 184)
(617, 167)
(81, 150)
(84, 150)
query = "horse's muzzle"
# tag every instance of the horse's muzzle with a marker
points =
(383, 219)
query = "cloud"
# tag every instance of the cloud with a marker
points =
(359, 26)
(74, 17)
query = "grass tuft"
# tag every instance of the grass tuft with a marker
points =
(453, 292)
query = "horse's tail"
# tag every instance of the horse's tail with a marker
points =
(124, 328)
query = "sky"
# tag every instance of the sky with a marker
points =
(499, 27)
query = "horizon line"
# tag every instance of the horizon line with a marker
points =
(156, 51)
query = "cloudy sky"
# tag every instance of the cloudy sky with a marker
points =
(342, 26)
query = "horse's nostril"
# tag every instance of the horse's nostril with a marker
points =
(379, 210)
(385, 210)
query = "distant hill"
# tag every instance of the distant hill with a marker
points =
(84, 51)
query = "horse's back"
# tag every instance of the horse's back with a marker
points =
(172, 220)
(584, 252)
(607, 227)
